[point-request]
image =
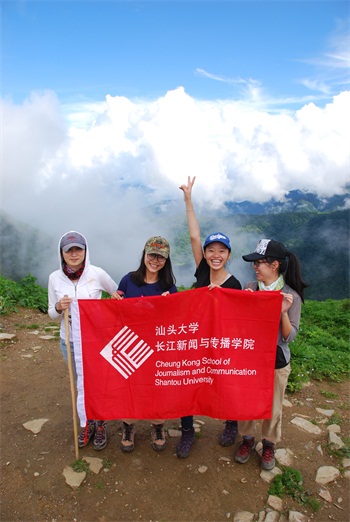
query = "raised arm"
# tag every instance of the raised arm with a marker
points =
(193, 227)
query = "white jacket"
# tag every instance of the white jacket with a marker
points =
(90, 285)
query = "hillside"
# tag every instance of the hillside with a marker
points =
(320, 239)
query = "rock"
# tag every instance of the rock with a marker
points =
(347, 474)
(346, 462)
(95, 464)
(35, 425)
(52, 327)
(326, 474)
(47, 337)
(306, 425)
(327, 413)
(225, 459)
(174, 433)
(334, 428)
(284, 456)
(268, 476)
(295, 516)
(275, 502)
(261, 516)
(272, 516)
(73, 479)
(287, 404)
(7, 337)
(243, 516)
(202, 469)
(225, 492)
(335, 440)
(36, 348)
(325, 494)
(319, 449)
(258, 448)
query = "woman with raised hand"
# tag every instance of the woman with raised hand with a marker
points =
(275, 269)
(154, 276)
(211, 260)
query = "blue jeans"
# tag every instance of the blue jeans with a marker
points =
(63, 347)
(187, 422)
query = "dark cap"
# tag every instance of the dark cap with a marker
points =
(267, 248)
(72, 239)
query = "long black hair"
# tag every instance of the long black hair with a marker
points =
(291, 271)
(165, 274)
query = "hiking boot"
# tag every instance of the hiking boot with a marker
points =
(86, 433)
(184, 447)
(268, 455)
(128, 437)
(245, 449)
(228, 436)
(158, 437)
(100, 438)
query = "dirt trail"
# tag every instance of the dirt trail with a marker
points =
(143, 485)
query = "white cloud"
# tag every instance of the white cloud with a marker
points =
(99, 168)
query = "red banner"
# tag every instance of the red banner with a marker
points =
(198, 352)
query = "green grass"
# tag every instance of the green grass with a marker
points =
(290, 483)
(321, 348)
(80, 465)
(328, 395)
(24, 293)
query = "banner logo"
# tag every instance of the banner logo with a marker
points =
(126, 352)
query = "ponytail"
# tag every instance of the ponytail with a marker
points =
(292, 275)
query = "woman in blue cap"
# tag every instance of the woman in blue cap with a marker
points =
(211, 270)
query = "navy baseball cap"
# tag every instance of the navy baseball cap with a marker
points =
(217, 237)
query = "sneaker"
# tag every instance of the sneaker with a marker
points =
(245, 449)
(100, 438)
(128, 437)
(86, 433)
(228, 436)
(268, 455)
(158, 437)
(184, 447)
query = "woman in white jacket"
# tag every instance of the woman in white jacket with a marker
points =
(76, 277)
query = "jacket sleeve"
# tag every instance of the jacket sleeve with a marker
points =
(52, 300)
(107, 283)
(294, 316)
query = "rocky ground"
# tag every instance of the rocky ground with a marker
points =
(145, 485)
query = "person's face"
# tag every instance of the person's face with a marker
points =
(216, 255)
(154, 262)
(74, 257)
(266, 272)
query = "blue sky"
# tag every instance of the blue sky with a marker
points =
(108, 107)
(83, 50)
